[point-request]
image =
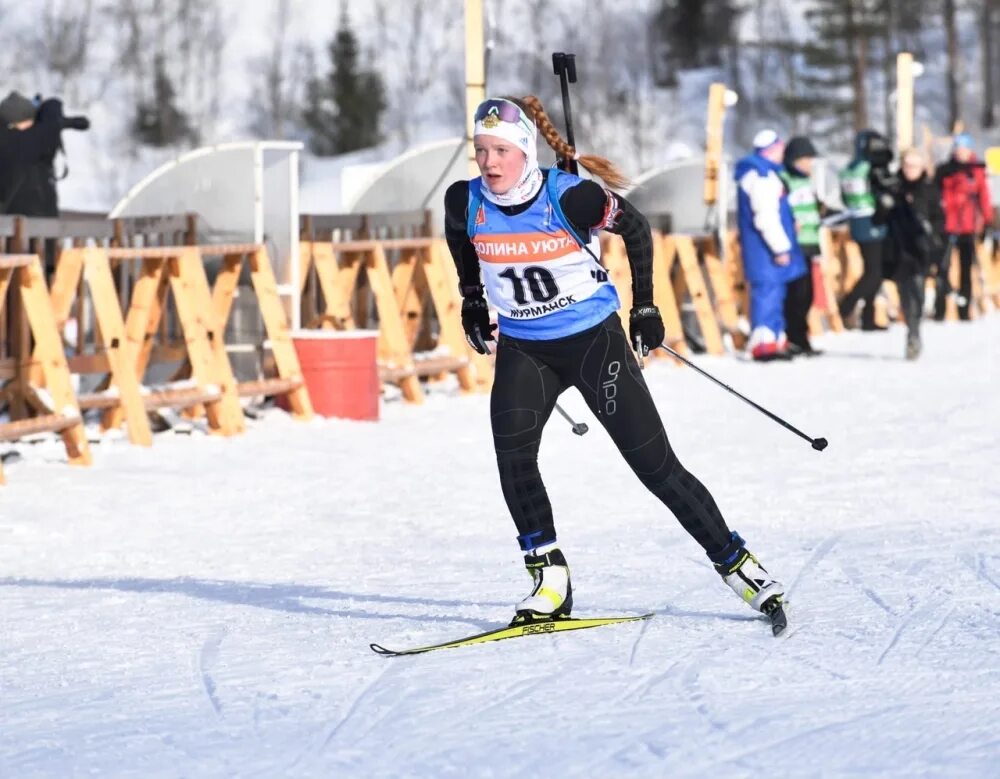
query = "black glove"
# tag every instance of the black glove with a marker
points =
(476, 322)
(645, 321)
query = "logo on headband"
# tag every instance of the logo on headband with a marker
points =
(492, 119)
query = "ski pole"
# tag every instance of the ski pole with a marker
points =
(564, 66)
(578, 427)
(819, 444)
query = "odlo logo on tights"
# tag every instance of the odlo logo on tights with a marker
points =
(610, 387)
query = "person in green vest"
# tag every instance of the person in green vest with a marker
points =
(806, 208)
(871, 150)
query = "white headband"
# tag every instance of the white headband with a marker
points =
(521, 133)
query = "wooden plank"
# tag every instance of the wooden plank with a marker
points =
(8, 368)
(226, 282)
(482, 364)
(393, 347)
(954, 279)
(664, 253)
(121, 353)
(6, 273)
(11, 261)
(66, 282)
(337, 276)
(448, 308)
(615, 262)
(695, 282)
(180, 398)
(830, 271)
(49, 423)
(989, 262)
(853, 266)
(722, 288)
(286, 359)
(408, 298)
(267, 387)
(50, 351)
(203, 335)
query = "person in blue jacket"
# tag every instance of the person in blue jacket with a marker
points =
(771, 253)
(525, 241)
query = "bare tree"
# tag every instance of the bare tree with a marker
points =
(987, 25)
(953, 72)
(276, 102)
(414, 61)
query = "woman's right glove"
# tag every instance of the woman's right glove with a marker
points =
(476, 321)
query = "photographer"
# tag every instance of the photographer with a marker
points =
(968, 211)
(30, 137)
(910, 206)
(872, 156)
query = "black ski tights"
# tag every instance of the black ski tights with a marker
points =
(529, 377)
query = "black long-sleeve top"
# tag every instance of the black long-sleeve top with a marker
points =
(916, 223)
(588, 206)
(27, 184)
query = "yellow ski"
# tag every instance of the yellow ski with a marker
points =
(515, 631)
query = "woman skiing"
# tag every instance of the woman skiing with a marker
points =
(526, 239)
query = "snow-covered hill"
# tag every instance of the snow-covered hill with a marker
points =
(204, 608)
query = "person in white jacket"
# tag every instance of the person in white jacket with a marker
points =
(771, 254)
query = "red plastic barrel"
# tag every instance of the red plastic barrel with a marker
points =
(340, 371)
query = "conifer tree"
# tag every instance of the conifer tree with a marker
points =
(344, 108)
(834, 84)
(691, 34)
(160, 122)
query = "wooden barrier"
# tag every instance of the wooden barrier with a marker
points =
(989, 264)
(722, 286)
(615, 260)
(420, 279)
(63, 416)
(289, 380)
(691, 281)
(125, 344)
(831, 274)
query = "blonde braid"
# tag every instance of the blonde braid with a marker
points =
(599, 166)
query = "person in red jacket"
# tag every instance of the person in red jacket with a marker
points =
(965, 197)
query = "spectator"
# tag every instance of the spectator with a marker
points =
(915, 222)
(870, 150)
(771, 254)
(807, 210)
(30, 137)
(967, 211)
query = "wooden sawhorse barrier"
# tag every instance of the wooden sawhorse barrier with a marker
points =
(64, 417)
(398, 301)
(289, 381)
(125, 344)
(684, 250)
(989, 264)
(827, 294)
(615, 260)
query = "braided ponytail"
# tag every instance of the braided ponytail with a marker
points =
(599, 166)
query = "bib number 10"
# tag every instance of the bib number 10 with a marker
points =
(537, 281)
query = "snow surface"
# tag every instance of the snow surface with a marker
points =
(204, 607)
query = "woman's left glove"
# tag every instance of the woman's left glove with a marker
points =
(645, 321)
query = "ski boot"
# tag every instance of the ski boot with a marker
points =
(552, 596)
(751, 581)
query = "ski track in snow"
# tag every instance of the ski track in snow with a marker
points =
(204, 608)
(207, 658)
